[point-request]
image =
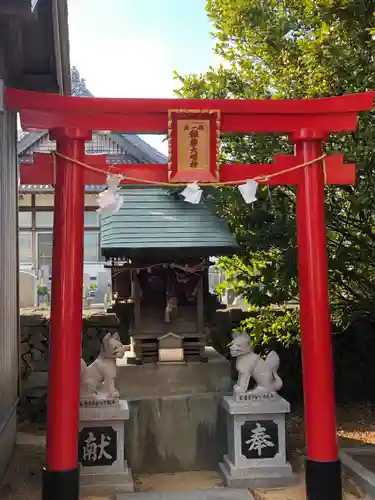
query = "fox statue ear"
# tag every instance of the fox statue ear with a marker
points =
(116, 336)
(106, 338)
(236, 333)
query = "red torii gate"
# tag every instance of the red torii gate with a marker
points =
(307, 122)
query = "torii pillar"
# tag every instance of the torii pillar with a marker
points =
(61, 474)
(323, 474)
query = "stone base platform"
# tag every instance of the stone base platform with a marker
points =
(359, 464)
(211, 494)
(164, 379)
(256, 456)
(106, 484)
(176, 422)
(262, 477)
(104, 469)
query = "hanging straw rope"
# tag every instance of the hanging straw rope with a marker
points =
(194, 270)
(258, 178)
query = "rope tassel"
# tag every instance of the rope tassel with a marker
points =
(110, 201)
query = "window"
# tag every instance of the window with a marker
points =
(44, 219)
(25, 248)
(91, 218)
(45, 240)
(44, 200)
(24, 200)
(91, 246)
(24, 219)
(45, 250)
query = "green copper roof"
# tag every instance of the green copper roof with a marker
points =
(152, 219)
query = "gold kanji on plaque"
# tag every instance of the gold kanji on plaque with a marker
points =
(194, 141)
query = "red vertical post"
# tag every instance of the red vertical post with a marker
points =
(61, 474)
(323, 475)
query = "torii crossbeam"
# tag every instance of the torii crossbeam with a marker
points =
(42, 171)
(194, 128)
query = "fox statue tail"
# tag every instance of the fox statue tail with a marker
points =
(273, 362)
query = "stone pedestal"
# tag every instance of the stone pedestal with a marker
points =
(177, 422)
(104, 469)
(256, 442)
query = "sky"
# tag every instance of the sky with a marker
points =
(130, 48)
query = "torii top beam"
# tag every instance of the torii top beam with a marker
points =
(332, 114)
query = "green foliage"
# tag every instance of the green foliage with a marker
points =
(275, 49)
(43, 290)
(269, 326)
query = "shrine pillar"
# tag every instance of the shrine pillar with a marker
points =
(61, 474)
(323, 474)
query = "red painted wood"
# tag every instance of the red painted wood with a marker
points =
(41, 171)
(158, 123)
(40, 111)
(320, 421)
(43, 159)
(66, 307)
(24, 99)
(138, 123)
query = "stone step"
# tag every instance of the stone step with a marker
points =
(211, 494)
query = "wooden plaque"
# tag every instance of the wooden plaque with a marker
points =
(193, 145)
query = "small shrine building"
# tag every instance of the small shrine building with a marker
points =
(158, 248)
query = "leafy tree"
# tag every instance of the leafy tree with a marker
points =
(296, 49)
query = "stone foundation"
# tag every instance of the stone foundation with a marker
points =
(106, 471)
(256, 442)
(176, 421)
(358, 464)
(175, 434)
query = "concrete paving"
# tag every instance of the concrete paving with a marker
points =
(211, 494)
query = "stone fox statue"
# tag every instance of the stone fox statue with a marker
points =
(98, 379)
(251, 365)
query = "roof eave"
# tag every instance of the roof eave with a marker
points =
(168, 254)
